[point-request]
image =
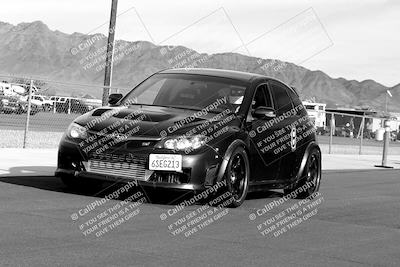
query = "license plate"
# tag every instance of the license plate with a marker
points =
(165, 162)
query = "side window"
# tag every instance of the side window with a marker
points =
(295, 98)
(262, 97)
(259, 98)
(283, 102)
(267, 95)
(297, 103)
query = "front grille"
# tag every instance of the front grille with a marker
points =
(124, 165)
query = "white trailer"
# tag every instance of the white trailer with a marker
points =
(316, 112)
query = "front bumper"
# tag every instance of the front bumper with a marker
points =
(88, 175)
(200, 169)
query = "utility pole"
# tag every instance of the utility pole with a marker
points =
(110, 52)
(386, 103)
(386, 100)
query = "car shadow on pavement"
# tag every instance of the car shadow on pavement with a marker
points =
(19, 176)
(28, 171)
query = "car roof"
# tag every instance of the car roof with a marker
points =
(231, 74)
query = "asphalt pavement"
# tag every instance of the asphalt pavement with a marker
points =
(354, 221)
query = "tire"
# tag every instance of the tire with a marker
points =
(80, 184)
(237, 176)
(20, 110)
(311, 173)
(46, 108)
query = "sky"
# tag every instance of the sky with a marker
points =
(354, 39)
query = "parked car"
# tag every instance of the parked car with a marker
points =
(79, 106)
(91, 103)
(59, 103)
(42, 101)
(13, 104)
(74, 105)
(196, 129)
(10, 104)
(53, 99)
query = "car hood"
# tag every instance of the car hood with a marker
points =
(151, 121)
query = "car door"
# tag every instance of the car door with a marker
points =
(288, 124)
(264, 163)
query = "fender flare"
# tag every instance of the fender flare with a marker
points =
(303, 163)
(228, 153)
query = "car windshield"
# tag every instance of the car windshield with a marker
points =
(188, 91)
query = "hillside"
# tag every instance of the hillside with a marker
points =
(32, 49)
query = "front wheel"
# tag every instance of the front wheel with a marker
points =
(237, 176)
(310, 178)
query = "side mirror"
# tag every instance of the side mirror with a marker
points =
(114, 98)
(264, 112)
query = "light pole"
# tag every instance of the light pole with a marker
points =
(386, 100)
(110, 52)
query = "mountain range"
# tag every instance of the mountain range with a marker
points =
(33, 50)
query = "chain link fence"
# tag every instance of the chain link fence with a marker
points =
(362, 134)
(34, 113)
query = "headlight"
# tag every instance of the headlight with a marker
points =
(76, 131)
(184, 143)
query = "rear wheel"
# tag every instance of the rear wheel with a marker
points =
(310, 178)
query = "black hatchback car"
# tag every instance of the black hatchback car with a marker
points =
(190, 129)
